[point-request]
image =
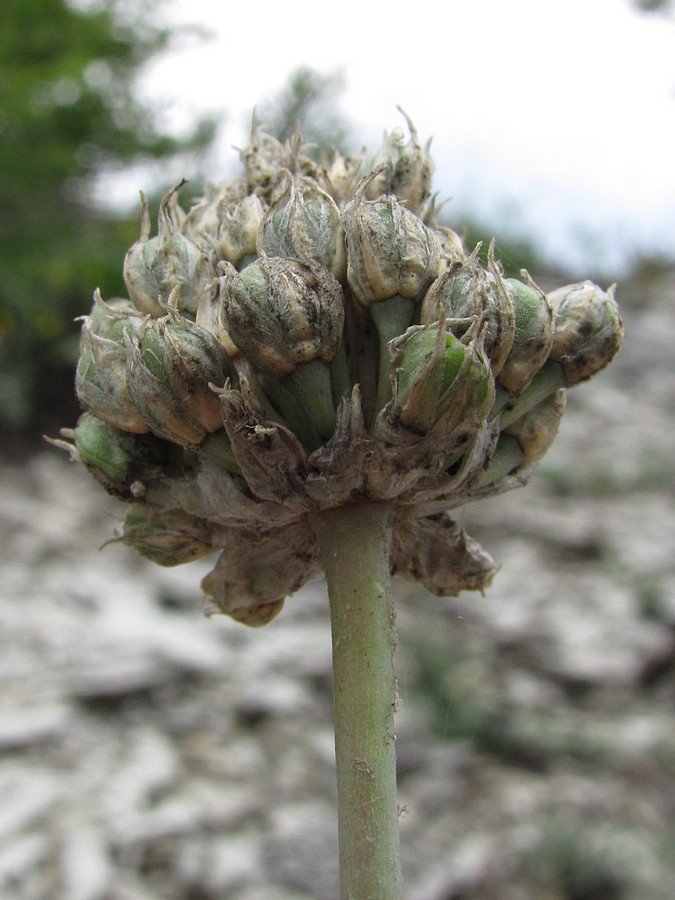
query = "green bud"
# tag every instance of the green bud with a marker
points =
(120, 461)
(437, 376)
(155, 267)
(390, 251)
(171, 367)
(533, 335)
(305, 225)
(588, 329)
(100, 378)
(470, 294)
(238, 227)
(280, 313)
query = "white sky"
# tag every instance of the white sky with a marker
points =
(555, 117)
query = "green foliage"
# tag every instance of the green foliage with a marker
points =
(68, 112)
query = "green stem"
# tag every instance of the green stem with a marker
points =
(342, 385)
(311, 385)
(392, 317)
(549, 379)
(507, 457)
(355, 544)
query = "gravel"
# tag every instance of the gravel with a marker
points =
(148, 752)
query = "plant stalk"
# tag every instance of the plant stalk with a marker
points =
(355, 543)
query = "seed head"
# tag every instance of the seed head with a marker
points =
(308, 336)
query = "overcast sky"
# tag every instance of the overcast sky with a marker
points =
(557, 117)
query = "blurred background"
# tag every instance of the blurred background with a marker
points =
(148, 753)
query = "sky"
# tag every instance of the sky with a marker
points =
(554, 121)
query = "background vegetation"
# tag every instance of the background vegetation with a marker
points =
(68, 113)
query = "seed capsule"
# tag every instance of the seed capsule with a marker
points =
(120, 461)
(305, 225)
(536, 430)
(210, 316)
(154, 267)
(404, 170)
(265, 159)
(239, 224)
(167, 537)
(437, 376)
(588, 329)
(280, 313)
(100, 378)
(469, 293)
(390, 251)
(533, 335)
(171, 367)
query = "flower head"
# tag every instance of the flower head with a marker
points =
(307, 337)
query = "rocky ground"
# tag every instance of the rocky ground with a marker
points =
(150, 753)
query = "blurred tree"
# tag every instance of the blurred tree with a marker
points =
(654, 5)
(309, 98)
(67, 113)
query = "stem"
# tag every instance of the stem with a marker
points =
(355, 544)
(311, 384)
(391, 318)
(549, 379)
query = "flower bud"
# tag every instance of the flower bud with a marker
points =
(305, 225)
(403, 170)
(120, 461)
(436, 376)
(588, 329)
(239, 224)
(390, 251)
(533, 335)
(154, 267)
(100, 378)
(471, 294)
(171, 366)
(280, 313)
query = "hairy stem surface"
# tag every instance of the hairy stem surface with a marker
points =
(355, 543)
